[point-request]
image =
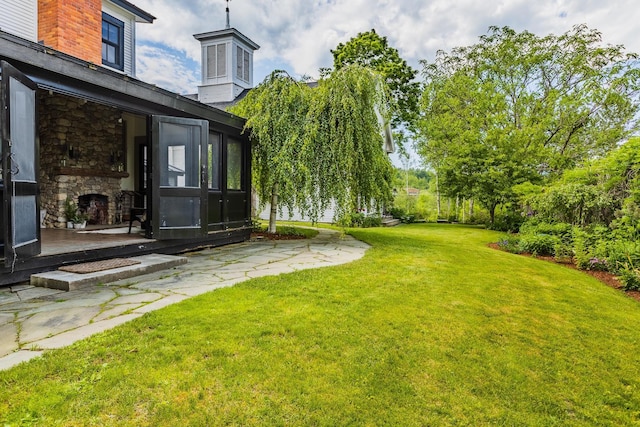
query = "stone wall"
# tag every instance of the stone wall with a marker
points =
(80, 153)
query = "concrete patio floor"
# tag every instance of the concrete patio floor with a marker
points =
(33, 320)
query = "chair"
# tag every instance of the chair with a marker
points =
(137, 214)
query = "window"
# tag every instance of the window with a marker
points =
(112, 42)
(234, 165)
(214, 161)
(242, 64)
(217, 60)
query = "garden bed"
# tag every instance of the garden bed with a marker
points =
(605, 277)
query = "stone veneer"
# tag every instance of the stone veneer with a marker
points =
(95, 133)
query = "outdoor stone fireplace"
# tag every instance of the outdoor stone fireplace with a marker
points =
(95, 207)
(81, 158)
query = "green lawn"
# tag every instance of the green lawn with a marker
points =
(430, 328)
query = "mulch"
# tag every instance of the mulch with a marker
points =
(605, 277)
(93, 267)
(263, 235)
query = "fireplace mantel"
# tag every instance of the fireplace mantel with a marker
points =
(90, 172)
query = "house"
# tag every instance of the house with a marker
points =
(77, 125)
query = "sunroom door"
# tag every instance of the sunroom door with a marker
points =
(20, 204)
(179, 177)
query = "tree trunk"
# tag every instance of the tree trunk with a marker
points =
(274, 210)
(464, 218)
(470, 208)
(492, 212)
(437, 196)
(457, 207)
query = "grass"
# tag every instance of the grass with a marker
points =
(430, 328)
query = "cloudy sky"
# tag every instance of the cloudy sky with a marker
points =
(297, 35)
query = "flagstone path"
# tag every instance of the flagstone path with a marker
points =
(33, 320)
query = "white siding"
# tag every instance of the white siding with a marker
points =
(216, 93)
(129, 34)
(325, 217)
(20, 17)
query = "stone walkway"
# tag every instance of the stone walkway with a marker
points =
(33, 320)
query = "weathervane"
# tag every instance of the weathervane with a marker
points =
(228, 24)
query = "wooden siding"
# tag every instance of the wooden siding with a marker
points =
(20, 17)
(129, 34)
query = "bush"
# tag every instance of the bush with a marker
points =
(508, 222)
(622, 253)
(591, 247)
(561, 229)
(371, 221)
(397, 213)
(539, 244)
(563, 252)
(511, 244)
(360, 220)
(630, 278)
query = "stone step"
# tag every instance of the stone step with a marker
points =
(67, 281)
(390, 222)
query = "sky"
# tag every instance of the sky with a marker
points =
(298, 35)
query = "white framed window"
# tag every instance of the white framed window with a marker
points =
(217, 60)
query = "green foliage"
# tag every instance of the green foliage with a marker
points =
(360, 220)
(276, 113)
(70, 210)
(510, 243)
(370, 50)
(630, 278)
(562, 230)
(539, 244)
(343, 147)
(397, 212)
(506, 220)
(315, 148)
(574, 203)
(517, 108)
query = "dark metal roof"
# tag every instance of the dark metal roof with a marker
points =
(59, 72)
(140, 14)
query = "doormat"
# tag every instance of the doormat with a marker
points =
(92, 267)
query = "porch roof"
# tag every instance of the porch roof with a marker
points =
(62, 73)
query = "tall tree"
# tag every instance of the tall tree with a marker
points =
(312, 148)
(276, 111)
(516, 107)
(344, 143)
(369, 49)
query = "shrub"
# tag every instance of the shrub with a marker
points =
(397, 212)
(360, 220)
(539, 244)
(630, 278)
(563, 252)
(561, 229)
(371, 221)
(510, 243)
(623, 255)
(508, 222)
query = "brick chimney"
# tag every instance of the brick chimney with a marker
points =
(72, 26)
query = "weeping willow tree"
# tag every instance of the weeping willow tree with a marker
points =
(321, 147)
(276, 111)
(344, 144)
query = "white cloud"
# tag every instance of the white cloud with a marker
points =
(298, 35)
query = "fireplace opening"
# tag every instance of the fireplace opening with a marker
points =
(96, 207)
